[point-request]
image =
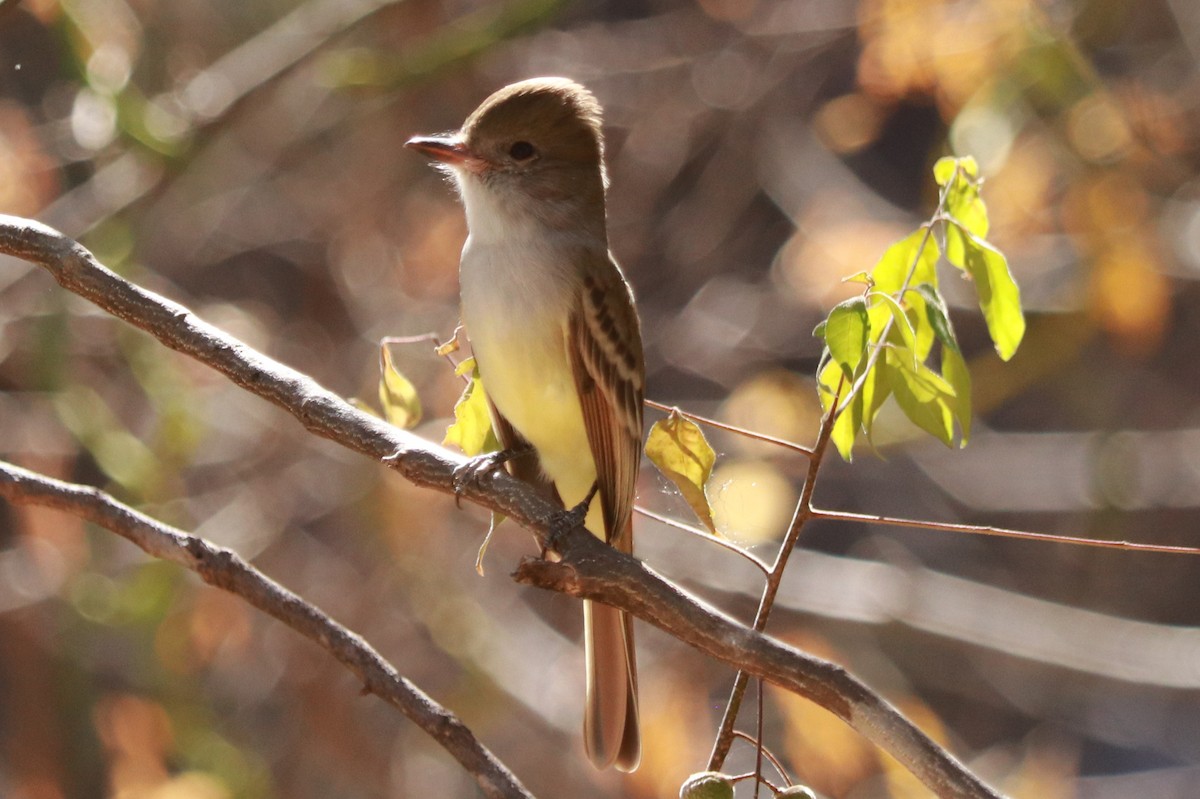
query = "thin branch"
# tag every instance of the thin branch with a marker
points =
(803, 513)
(225, 569)
(709, 537)
(767, 753)
(741, 431)
(758, 743)
(1002, 532)
(589, 568)
(443, 348)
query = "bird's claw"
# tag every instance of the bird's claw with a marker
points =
(567, 520)
(474, 470)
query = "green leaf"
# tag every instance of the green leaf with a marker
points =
(924, 396)
(397, 395)
(946, 168)
(916, 253)
(999, 297)
(472, 428)
(900, 321)
(964, 204)
(846, 426)
(954, 369)
(938, 316)
(875, 391)
(919, 317)
(846, 332)
(677, 446)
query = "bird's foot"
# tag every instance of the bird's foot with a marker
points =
(474, 470)
(567, 520)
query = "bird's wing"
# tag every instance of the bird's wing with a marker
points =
(605, 346)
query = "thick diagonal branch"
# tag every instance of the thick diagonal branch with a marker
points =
(587, 568)
(226, 569)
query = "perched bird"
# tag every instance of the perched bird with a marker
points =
(557, 340)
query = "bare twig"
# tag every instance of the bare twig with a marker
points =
(729, 428)
(588, 567)
(707, 536)
(800, 518)
(226, 569)
(1002, 532)
(787, 780)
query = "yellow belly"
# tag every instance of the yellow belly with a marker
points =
(527, 375)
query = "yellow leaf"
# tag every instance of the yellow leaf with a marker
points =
(397, 395)
(680, 451)
(450, 347)
(999, 295)
(472, 428)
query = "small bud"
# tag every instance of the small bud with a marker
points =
(796, 792)
(706, 785)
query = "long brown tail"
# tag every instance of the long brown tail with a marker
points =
(610, 721)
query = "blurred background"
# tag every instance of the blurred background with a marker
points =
(245, 159)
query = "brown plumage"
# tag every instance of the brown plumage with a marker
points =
(554, 329)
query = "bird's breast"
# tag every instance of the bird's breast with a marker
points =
(516, 303)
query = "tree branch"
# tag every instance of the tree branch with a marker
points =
(225, 569)
(591, 570)
(588, 567)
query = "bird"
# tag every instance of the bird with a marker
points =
(557, 340)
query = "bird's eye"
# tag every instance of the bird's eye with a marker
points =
(522, 151)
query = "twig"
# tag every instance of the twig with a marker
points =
(707, 536)
(225, 569)
(758, 741)
(803, 513)
(767, 753)
(741, 431)
(1002, 532)
(429, 338)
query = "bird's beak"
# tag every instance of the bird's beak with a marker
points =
(448, 149)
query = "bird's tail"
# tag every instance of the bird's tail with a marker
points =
(610, 722)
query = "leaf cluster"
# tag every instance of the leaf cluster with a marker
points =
(882, 344)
